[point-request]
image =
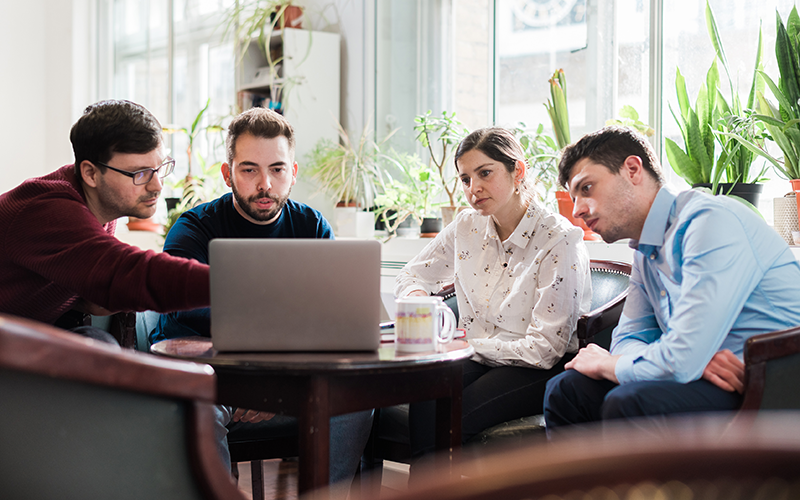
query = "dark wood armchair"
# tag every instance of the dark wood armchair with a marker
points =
(772, 371)
(699, 457)
(82, 419)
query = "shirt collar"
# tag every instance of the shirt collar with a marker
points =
(525, 229)
(657, 218)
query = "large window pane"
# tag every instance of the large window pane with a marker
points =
(602, 47)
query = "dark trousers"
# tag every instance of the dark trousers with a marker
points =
(573, 398)
(492, 395)
(81, 324)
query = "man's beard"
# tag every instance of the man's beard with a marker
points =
(260, 215)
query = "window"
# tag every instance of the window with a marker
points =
(202, 66)
(605, 67)
(502, 53)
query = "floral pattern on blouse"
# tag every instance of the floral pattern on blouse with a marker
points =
(519, 300)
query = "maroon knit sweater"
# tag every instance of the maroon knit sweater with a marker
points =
(53, 250)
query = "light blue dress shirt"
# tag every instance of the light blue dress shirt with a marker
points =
(708, 274)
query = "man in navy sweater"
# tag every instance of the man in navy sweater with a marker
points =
(260, 171)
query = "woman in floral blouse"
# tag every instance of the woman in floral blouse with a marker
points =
(521, 275)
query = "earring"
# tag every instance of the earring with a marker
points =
(516, 190)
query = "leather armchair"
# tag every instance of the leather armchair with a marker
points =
(82, 419)
(772, 371)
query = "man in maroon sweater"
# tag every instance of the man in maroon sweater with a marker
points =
(58, 253)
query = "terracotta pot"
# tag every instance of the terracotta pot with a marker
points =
(292, 17)
(136, 224)
(566, 207)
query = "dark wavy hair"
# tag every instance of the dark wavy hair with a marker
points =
(260, 122)
(610, 146)
(113, 126)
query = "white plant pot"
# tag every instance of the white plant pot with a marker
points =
(353, 223)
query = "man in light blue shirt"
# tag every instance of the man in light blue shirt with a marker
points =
(708, 273)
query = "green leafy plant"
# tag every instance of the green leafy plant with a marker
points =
(714, 121)
(412, 194)
(557, 108)
(348, 170)
(205, 185)
(440, 135)
(629, 117)
(782, 123)
(541, 153)
(696, 163)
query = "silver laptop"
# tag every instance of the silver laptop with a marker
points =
(295, 295)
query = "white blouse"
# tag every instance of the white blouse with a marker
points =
(519, 300)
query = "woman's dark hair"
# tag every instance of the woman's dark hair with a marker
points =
(113, 126)
(610, 146)
(500, 145)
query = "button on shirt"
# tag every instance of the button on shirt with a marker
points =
(519, 300)
(707, 275)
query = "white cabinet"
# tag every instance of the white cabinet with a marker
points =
(309, 73)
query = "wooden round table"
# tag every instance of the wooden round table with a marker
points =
(314, 386)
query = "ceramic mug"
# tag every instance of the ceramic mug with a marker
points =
(422, 323)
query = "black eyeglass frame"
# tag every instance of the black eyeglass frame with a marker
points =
(169, 163)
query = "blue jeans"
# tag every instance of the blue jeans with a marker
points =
(573, 398)
(349, 434)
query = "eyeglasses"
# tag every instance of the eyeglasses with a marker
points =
(145, 175)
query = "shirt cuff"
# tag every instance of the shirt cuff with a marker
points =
(624, 368)
(405, 291)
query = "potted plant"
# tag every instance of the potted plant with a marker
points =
(714, 121)
(629, 117)
(259, 20)
(410, 196)
(559, 117)
(198, 186)
(782, 122)
(541, 153)
(440, 135)
(348, 171)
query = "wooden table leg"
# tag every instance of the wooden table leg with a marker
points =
(448, 423)
(314, 437)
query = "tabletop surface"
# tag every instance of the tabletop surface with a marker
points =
(201, 350)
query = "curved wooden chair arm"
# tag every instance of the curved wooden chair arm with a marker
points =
(589, 462)
(759, 350)
(34, 347)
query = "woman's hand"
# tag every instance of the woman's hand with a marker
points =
(418, 293)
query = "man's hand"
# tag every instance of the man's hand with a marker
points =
(595, 362)
(725, 371)
(251, 416)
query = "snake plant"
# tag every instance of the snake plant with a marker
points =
(782, 121)
(557, 109)
(714, 121)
